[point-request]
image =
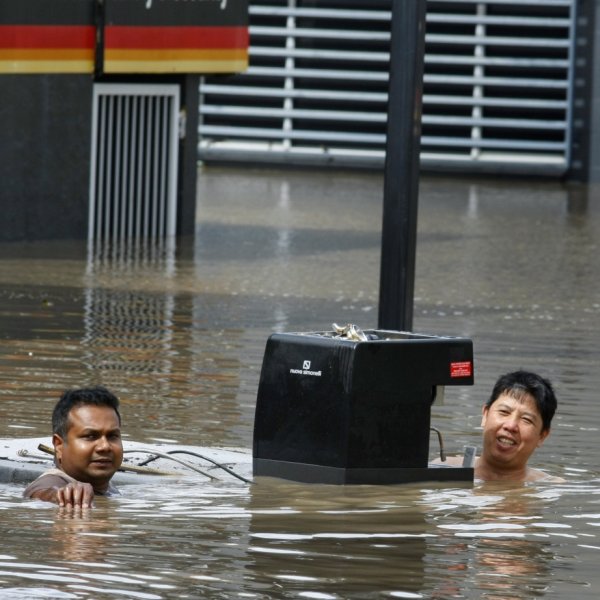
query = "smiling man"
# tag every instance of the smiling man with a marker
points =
(516, 421)
(86, 427)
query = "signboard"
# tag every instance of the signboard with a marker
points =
(37, 36)
(175, 36)
(134, 36)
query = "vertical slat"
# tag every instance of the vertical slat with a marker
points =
(571, 80)
(125, 165)
(133, 161)
(478, 89)
(140, 170)
(147, 170)
(173, 169)
(101, 168)
(155, 166)
(289, 84)
(164, 139)
(109, 168)
(93, 169)
(118, 127)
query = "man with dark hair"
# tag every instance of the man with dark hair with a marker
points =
(516, 421)
(86, 434)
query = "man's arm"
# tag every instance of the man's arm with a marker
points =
(72, 495)
(61, 490)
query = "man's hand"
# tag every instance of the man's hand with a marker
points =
(75, 495)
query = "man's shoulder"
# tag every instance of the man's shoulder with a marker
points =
(55, 478)
(48, 479)
(542, 476)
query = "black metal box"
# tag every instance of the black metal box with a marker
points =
(336, 410)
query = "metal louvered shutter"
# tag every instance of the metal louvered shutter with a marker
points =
(497, 86)
(133, 182)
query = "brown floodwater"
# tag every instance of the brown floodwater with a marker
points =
(179, 335)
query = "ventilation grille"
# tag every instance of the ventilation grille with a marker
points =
(133, 183)
(497, 85)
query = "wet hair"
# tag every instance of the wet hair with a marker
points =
(94, 396)
(519, 384)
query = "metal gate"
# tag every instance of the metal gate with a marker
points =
(134, 155)
(497, 86)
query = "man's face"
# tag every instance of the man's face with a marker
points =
(92, 450)
(512, 430)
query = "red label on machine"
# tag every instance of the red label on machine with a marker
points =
(461, 369)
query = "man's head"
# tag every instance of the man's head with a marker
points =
(516, 420)
(94, 396)
(520, 384)
(86, 427)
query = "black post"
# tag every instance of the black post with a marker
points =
(188, 156)
(401, 183)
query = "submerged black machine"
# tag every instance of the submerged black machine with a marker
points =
(354, 407)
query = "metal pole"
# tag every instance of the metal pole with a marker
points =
(401, 183)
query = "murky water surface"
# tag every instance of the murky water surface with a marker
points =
(180, 338)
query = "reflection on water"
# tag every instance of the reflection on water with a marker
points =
(339, 540)
(501, 547)
(179, 334)
(284, 540)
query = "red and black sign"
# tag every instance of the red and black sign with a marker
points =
(135, 36)
(171, 36)
(38, 36)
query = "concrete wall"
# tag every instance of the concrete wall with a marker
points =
(45, 124)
